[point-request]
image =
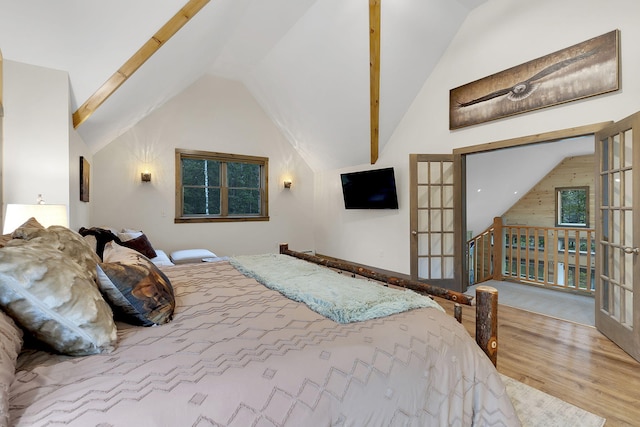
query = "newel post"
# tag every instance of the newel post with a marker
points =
(487, 321)
(498, 245)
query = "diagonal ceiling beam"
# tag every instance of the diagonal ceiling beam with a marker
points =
(140, 57)
(374, 75)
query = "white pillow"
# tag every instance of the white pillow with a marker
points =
(125, 235)
(161, 259)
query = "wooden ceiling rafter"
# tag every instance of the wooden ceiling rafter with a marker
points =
(137, 59)
(374, 75)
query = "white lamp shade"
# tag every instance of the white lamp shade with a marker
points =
(47, 215)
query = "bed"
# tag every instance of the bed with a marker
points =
(233, 352)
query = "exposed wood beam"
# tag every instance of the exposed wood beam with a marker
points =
(374, 75)
(140, 57)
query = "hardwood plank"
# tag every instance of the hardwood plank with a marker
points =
(572, 362)
(374, 71)
(137, 59)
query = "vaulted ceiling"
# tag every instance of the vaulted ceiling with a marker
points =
(305, 61)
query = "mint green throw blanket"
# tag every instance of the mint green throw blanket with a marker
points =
(334, 295)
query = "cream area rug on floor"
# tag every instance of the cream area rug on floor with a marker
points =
(538, 409)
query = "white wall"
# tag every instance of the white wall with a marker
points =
(41, 150)
(79, 211)
(498, 35)
(36, 134)
(214, 114)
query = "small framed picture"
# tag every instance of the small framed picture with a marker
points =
(84, 179)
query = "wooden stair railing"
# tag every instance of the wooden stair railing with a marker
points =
(552, 257)
(485, 255)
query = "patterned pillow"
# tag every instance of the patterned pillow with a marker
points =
(10, 344)
(55, 299)
(138, 291)
(63, 239)
(4, 239)
(31, 225)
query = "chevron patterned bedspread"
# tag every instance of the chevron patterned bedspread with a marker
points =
(240, 354)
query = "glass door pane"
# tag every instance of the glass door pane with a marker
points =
(618, 236)
(434, 231)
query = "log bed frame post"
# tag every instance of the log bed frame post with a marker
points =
(486, 297)
(487, 321)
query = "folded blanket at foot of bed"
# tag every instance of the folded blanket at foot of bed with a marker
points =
(327, 292)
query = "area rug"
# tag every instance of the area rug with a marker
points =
(538, 409)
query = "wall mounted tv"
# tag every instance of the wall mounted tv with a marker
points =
(372, 189)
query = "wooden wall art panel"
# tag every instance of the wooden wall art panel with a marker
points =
(586, 69)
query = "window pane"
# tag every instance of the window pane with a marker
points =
(244, 175)
(244, 202)
(212, 168)
(573, 207)
(192, 172)
(200, 172)
(201, 201)
(434, 173)
(423, 172)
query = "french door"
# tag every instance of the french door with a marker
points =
(618, 233)
(436, 245)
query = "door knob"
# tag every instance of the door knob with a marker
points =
(634, 251)
(414, 233)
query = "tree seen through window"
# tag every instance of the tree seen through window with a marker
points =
(220, 186)
(572, 207)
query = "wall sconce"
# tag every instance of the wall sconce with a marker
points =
(145, 176)
(287, 184)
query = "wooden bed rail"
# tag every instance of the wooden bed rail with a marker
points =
(414, 285)
(486, 299)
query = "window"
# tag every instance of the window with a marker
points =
(572, 207)
(214, 187)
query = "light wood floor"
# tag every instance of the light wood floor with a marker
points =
(573, 362)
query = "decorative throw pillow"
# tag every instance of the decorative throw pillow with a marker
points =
(55, 299)
(63, 239)
(128, 234)
(30, 226)
(140, 244)
(138, 291)
(10, 345)
(4, 239)
(92, 241)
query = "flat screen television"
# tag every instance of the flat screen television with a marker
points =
(372, 189)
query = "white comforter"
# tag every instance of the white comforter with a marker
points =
(239, 354)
